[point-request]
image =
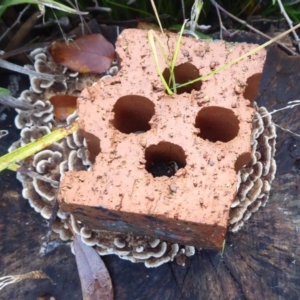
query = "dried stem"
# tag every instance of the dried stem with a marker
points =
(6, 280)
(100, 8)
(183, 9)
(55, 209)
(222, 27)
(10, 101)
(250, 27)
(32, 174)
(287, 130)
(15, 23)
(292, 104)
(13, 67)
(3, 133)
(24, 49)
(290, 23)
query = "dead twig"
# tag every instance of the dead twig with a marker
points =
(10, 101)
(98, 8)
(10, 66)
(251, 28)
(23, 32)
(3, 133)
(15, 23)
(222, 27)
(32, 174)
(290, 23)
(43, 249)
(287, 130)
(6, 280)
(291, 105)
(183, 9)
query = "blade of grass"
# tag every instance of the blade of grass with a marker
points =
(4, 91)
(33, 147)
(13, 167)
(177, 27)
(162, 50)
(239, 58)
(178, 43)
(157, 17)
(126, 7)
(49, 3)
(151, 34)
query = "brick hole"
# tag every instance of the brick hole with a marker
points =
(93, 145)
(251, 90)
(164, 159)
(133, 113)
(217, 124)
(242, 161)
(184, 73)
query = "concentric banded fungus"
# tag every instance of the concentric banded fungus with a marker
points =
(58, 158)
(255, 177)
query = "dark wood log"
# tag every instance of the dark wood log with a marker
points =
(261, 261)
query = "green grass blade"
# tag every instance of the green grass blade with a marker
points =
(157, 16)
(13, 167)
(59, 6)
(151, 34)
(127, 7)
(8, 160)
(178, 43)
(49, 3)
(4, 91)
(177, 28)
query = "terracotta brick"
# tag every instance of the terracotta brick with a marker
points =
(205, 129)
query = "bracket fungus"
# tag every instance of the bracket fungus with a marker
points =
(256, 177)
(255, 174)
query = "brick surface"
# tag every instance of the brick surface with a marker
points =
(200, 134)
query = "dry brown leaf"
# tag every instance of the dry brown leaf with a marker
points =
(63, 106)
(94, 277)
(88, 54)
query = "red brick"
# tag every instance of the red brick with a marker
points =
(119, 194)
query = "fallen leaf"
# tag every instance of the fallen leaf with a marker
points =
(88, 54)
(63, 106)
(94, 277)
